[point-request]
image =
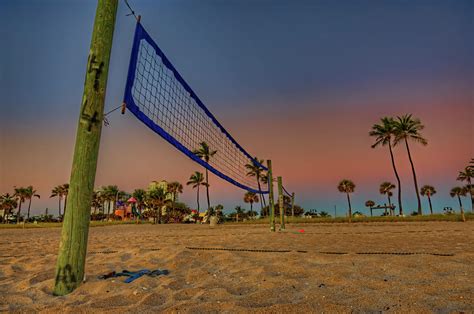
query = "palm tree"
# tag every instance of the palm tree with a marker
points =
(157, 198)
(386, 189)
(110, 194)
(219, 209)
(428, 191)
(347, 186)
(254, 170)
(239, 211)
(96, 201)
(8, 203)
(408, 128)
(30, 193)
(20, 195)
(251, 197)
(140, 196)
(196, 180)
(57, 191)
(370, 204)
(467, 175)
(174, 188)
(383, 137)
(459, 191)
(205, 153)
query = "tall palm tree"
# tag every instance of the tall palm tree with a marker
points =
(8, 203)
(459, 191)
(30, 193)
(196, 180)
(254, 170)
(157, 198)
(251, 197)
(383, 133)
(174, 188)
(467, 175)
(20, 195)
(57, 191)
(348, 187)
(370, 204)
(386, 189)
(408, 128)
(205, 153)
(65, 192)
(428, 191)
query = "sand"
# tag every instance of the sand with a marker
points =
(312, 280)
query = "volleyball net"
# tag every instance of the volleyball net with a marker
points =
(158, 96)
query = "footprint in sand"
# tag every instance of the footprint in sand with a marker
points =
(125, 257)
(154, 299)
(41, 277)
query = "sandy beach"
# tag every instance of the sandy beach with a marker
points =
(328, 267)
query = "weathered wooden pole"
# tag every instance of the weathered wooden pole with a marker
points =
(293, 205)
(281, 203)
(73, 246)
(271, 201)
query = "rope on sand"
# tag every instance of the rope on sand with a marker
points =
(237, 250)
(320, 252)
(103, 252)
(334, 253)
(404, 253)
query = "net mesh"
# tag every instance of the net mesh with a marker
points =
(159, 96)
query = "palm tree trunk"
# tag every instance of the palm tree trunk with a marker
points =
(19, 212)
(59, 198)
(29, 206)
(207, 189)
(420, 212)
(262, 200)
(390, 205)
(431, 207)
(462, 210)
(400, 208)
(172, 207)
(350, 207)
(198, 199)
(160, 209)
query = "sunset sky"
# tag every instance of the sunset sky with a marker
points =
(298, 82)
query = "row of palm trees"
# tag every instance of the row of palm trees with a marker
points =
(197, 179)
(61, 191)
(8, 202)
(106, 197)
(348, 187)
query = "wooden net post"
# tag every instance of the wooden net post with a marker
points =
(281, 203)
(73, 246)
(271, 200)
